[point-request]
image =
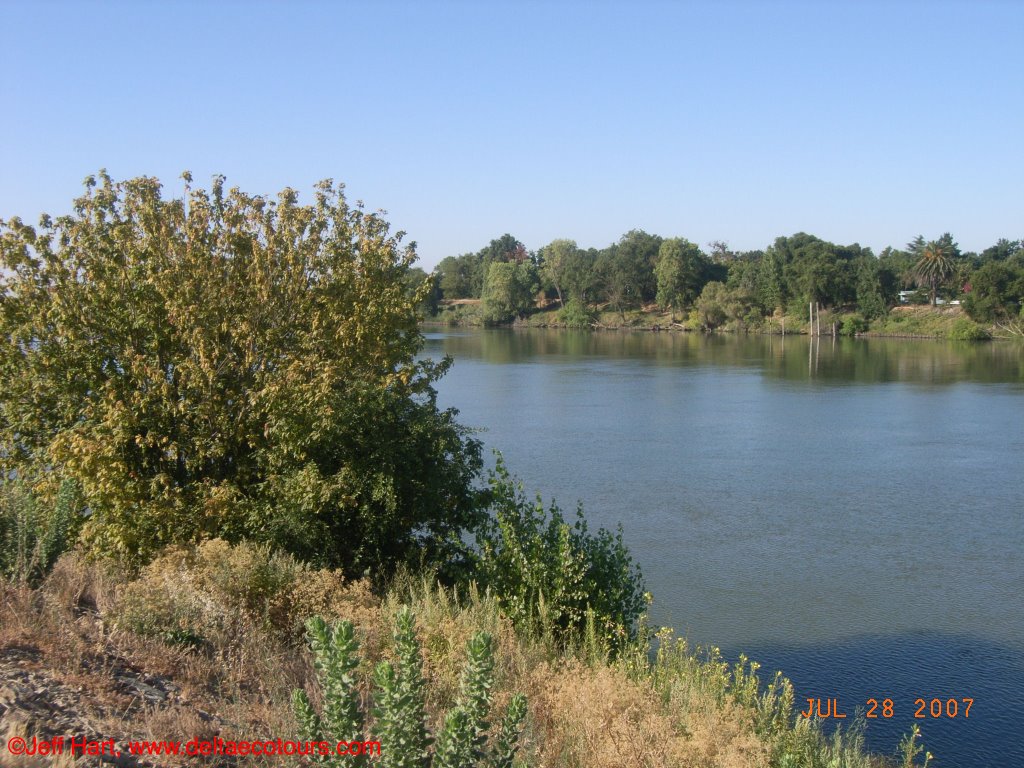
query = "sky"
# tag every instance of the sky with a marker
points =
(867, 122)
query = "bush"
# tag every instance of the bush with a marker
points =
(399, 728)
(548, 574)
(852, 325)
(210, 592)
(33, 535)
(576, 314)
(227, 365)
(967, 330)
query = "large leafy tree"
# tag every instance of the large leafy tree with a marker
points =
(996, 295)
(457, 276)
(641, 250)
(681, 272)
(876, 286)
(557, 259)
(509, 290)
(221, 364)
(625, 270)
(579, 274)
(1003, 250)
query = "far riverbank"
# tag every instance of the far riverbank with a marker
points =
(906, 321)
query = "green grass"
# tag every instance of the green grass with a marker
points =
(927, 322)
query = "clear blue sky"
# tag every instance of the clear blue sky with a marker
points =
(740, 121)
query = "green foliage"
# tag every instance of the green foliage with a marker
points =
(576, 314)
(548, 574)
(1003, 250)
(934, 265)
(967, 330)
(455, 744)
(625, 270)
(876, 287)
(718, 304)
(785, 277)
(852, 325)
(222, 364)
(509, 290)
(464, 737)
(425, 287)
(334, 657)
(459, 277)
(681, 273)
(557, 259)
(465, 276)
(399, 713)
(507, 743)
(34, 533)
(401, 693)
(996, 294)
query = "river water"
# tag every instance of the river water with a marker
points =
(848, 511)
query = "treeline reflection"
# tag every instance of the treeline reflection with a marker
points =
(828, 360)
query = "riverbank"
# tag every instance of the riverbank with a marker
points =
(905, 321)
(86, 654)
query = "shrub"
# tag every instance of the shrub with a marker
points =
(192, 596)
(399, 729)
(852, 325)
(576, 314)
(33, 534)
(967, 330)
(548, 574)
(219, 364)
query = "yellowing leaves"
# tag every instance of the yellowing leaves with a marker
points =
(186, 359)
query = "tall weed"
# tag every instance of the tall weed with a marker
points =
(33, 534)
(399, 724)
(549, 575)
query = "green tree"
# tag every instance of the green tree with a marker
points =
(681, 272)
(769, 284)
(579, 274)
(641, 249)
(719, 303)
(934, 266)
(1003, 249)
(816, 270)
(222, 364)
(430, 293)
(625, 270)
(458, 277)
(996, 294)
(876, 287)
(509, 290)
(556, 259)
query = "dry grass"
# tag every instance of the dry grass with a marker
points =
(69, 636)
(601, 718)
(584, 712)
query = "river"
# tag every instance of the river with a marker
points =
(850, 511)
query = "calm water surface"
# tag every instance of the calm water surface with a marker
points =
(851, 512)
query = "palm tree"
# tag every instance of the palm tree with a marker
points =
(934, 266)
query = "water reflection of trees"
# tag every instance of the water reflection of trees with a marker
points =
(826, 360)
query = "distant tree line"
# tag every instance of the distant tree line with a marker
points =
(720, 285)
